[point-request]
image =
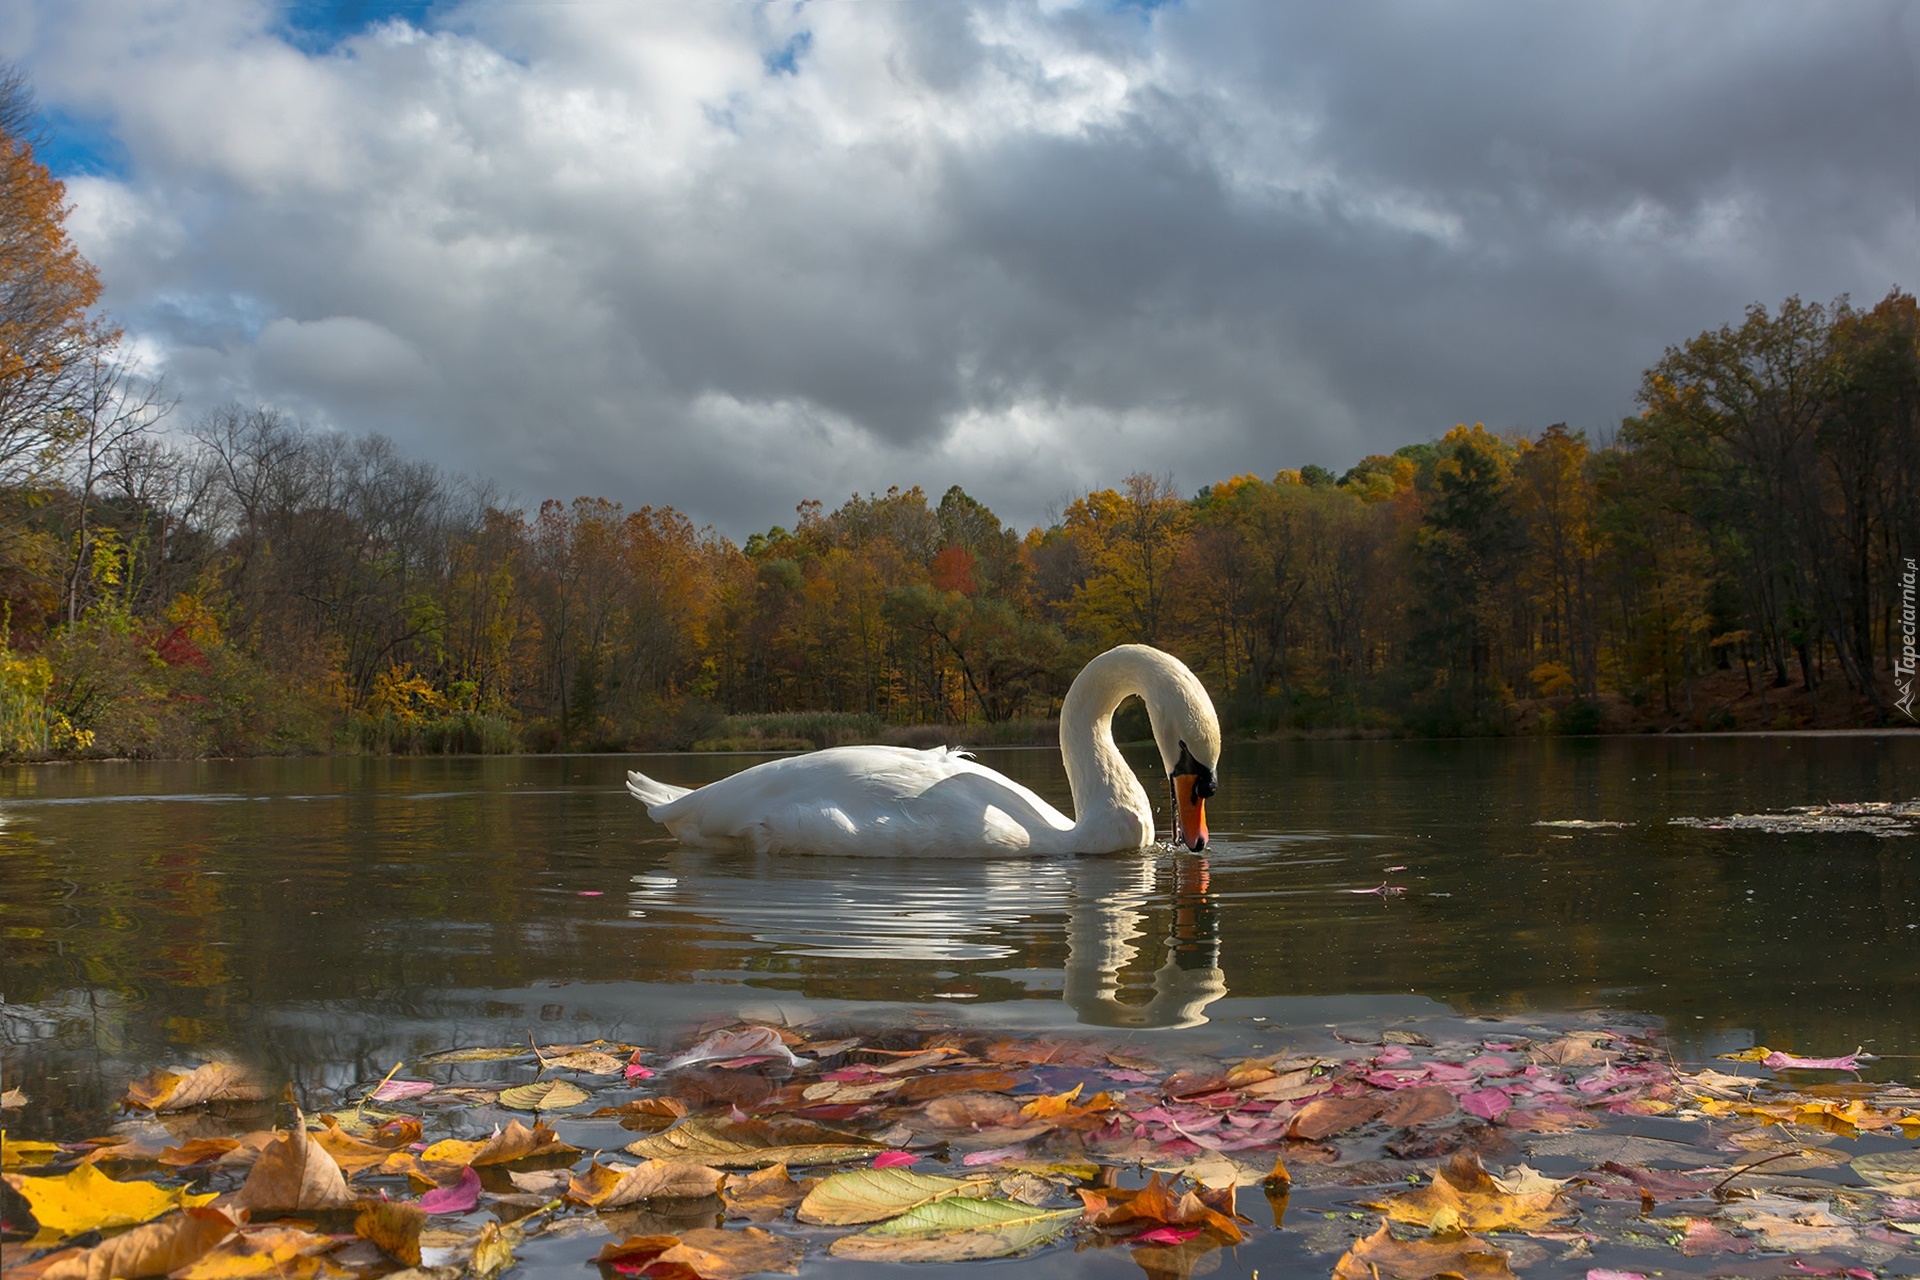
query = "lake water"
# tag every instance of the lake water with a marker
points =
(329, 917)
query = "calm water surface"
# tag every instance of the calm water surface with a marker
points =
(331, 916)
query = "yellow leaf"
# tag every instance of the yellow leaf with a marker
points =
(85, 1199)
(872, 1195)
(18, 1154)
(155, 1249)
(395, 1226)
(1381, 1257)
(493, 1251)
(275, 1251)
(1463, 1196)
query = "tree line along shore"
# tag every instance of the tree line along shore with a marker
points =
(1731, 557)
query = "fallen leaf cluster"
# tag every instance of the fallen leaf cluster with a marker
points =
(759, 1147)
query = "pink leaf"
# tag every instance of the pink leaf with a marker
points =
(1846, 1062)
(634, 1071)
(458, 1198)
(394, 1090)
(591, 893)
(994, 1156)
(1171, 1235)
(1488, 1104)
(892, 1159)
(1601, 1273)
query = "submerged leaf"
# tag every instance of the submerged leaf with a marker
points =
(956, 1229)
(1897, 1172)
(871, 1195)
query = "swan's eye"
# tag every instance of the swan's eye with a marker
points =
(1203, 785)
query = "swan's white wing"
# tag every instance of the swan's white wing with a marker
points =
(867, 800)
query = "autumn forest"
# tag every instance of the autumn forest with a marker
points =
(1729, 556)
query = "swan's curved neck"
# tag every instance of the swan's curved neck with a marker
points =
(1105, 788)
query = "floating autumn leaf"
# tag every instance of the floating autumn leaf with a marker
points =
(515, 1142)
(1155, 1205)
(84, 1199)
(1408, 1107)
(395, 1226)
(294, 1173)
(12, 1100)
(183, 1091)
(475, 1055)
(493, 1251)
(1463, 1196)
(18, 1154)
(872, 1195)
(754, 1144)
(592, 1061)
(763, 1195)
(154, 1249)
(277, 1251)
(1797, 1226)
(635, 1252)
(1060, 1106)
(1382, 1257)
(614, 1187)
(972, 1111)
(947, 1083)
(713, 1254)
(956, 1229)
(832, 1091)
(197, 1151)
(743, 1042)
(1895, 1172)
(458, 1198)
(653, 1112)
(1324, 1117)
(396, 1090)
(545, 1095)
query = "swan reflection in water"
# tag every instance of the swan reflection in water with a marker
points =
(861, 910)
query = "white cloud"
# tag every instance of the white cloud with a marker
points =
(730, 256)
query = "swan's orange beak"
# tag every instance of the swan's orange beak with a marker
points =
(1190, 812)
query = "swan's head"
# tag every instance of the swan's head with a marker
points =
(1188, 735)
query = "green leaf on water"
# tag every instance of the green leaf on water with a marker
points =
(956, 1229)
(871, 1195)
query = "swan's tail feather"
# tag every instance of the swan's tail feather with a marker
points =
(651, 793)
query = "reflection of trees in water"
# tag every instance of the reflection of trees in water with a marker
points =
(1108, 912)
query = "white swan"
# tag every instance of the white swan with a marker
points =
(902, 802)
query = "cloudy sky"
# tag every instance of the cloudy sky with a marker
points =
(732, 255)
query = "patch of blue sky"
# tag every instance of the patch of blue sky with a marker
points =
(785, 61)
(80, 147)
(1145, 8)
(209, 319)
(318, 26)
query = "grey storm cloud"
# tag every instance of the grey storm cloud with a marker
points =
(730, 257)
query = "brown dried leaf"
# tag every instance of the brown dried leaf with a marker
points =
(1463, 1196)
(294, 1174)
(972, 1111)
(947, 1083)
(197, 1151)
(763, 1195)
(614, 1187)
(395, 1226)
(1324, 1117)
(276, 1251)
(182, 1091)
(1381, 1257)
(1409, 1107)
(153, 1250)
(714, 1254)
